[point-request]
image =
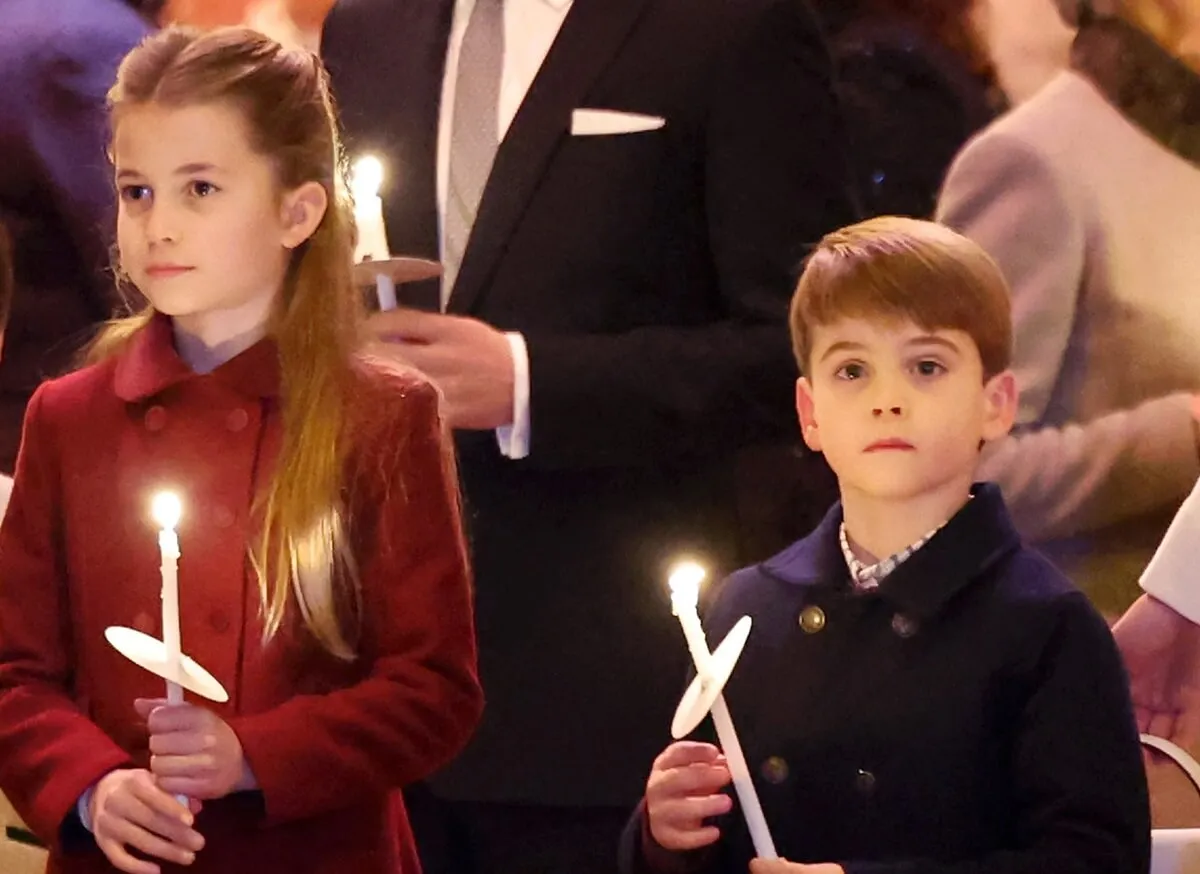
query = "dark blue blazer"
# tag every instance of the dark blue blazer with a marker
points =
(972, 715)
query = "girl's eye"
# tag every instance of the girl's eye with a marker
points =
(929, 367)
(135, 192)
(850, 371)
(200, 188)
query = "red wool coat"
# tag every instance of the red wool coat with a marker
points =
(329, 742)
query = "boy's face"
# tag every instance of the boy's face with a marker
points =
(900, 411)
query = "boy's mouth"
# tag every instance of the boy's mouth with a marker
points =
(887, 443)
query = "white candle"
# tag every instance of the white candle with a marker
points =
(167, 510)
(685, 594)
(372, 245)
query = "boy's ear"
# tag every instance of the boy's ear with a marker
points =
(301, 212)
(806, 412)
(999, 405)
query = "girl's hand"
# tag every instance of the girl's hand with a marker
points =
(129, 810)
(782, 866)
(683, 790)
(193, 752)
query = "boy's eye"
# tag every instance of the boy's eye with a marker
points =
(929, 367)
(135, 192)
(851, 371)
(200, 188)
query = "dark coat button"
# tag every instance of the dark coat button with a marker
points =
(219, 621)
(775, 770)
(155, 418)
(904, 625)
(864, 782)
(812, 619)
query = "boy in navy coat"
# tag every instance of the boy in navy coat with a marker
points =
(921, 693)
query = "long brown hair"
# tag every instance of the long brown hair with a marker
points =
(301, 551)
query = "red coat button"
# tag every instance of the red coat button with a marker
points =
(219, 620)
(237, 420)
(144, 623)
(155, 419)
(223, 516)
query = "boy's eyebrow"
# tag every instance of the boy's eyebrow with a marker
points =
(933, 340)
(842, 346)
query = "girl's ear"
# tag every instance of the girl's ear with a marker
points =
(301, 212)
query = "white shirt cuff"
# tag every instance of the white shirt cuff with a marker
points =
(1171, 575)
(514, 438)
(83, 806)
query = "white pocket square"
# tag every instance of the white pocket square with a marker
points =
(603, 122)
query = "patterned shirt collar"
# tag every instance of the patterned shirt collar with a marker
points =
(866, 577)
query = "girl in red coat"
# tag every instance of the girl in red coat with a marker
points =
(323, 577)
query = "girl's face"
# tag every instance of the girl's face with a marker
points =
(203, 229)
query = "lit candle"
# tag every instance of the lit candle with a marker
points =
(365, 179)
(685, 594)
(167, 510)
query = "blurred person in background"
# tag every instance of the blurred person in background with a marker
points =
(57, 61)
(1086, 195)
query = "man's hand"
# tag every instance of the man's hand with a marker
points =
(193, 752)
(1162, 654)
(782, 866)
(470, 361)
(128, 809)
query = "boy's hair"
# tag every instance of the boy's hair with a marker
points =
(904, 269)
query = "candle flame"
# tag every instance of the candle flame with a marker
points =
(365, 177)
(685, 580)
(166, 509)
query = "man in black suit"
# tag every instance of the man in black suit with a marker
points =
(621, 192)
(58, 59)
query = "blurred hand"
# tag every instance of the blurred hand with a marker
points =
(1161, 649)
(128, 809)
(469, 360)
(782, 866)
(685, 788)
(193, 752)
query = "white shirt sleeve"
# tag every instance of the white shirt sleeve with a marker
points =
(514, 438)
(1173, 575)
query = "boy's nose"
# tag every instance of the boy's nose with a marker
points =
(879, 411)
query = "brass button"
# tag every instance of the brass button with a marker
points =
(237, 420)
(775, 770)
(155, 419)
(903, 625)
(812, 619)
(864, 782)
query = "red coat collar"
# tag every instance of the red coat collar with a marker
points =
(150, 365)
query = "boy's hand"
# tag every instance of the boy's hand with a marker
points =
(685, 788)
(782, 866)
(193, 752)
(129, 810)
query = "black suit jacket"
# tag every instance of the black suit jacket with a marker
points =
(971, 715)
(650, 275)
